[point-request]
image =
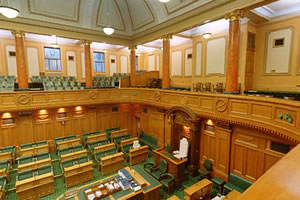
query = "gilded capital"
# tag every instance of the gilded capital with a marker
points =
(166, 37)
(132, 47)
(86, 42)
(18, 33)
(235, 15)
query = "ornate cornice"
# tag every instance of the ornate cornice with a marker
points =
(166, 37)
(134, 47)
(18, 33)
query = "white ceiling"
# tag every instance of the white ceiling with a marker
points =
(279, 9)
(128, 17)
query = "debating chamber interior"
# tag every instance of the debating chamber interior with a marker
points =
(149, 99)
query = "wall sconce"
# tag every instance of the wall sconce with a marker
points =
(43, 114)
(210, 122)
(7, 119)
(61, 113)
(78, 110)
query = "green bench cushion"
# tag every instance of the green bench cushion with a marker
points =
(237, 183)
(44, 169)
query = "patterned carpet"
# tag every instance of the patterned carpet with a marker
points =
(59, 185)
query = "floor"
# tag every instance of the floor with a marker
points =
(59, 185)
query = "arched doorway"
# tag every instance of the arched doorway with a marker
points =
(185, 123)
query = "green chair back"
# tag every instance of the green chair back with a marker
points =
(40, 143)
(64, 151)
(26, 146)
(163, 166)
(42, 156)
(4, 164)
(67, 163)
(208, 165)
(77, 148)
(25, 159)
(25, 175)
(83, 159)
(44, 169)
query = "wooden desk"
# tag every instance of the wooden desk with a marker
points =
(233, 195)
(138, 155)
(34, 150)
(78, 174)
(35, 187)
(94, 138)
(73, 155)
(2, 193)
(198, 190)
(113, 163)
(6, 156)
(128, 141)
(5, 173)
(34, 165)
(175, 166)
(68, 143)
(102, 148)
(118, 133)
(174, 197)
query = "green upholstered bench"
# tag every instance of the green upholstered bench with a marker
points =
(237, 183)
(146, 139)
(3, 183)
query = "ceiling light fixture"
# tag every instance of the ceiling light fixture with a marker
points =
(164, 1)
(8, 11)
(206, 35)
(108, 30)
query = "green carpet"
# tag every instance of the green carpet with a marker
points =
(59, 186)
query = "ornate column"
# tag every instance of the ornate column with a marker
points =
(21, 61)
(166, 61)
(88, 64)
(132, 66)
(233, 52)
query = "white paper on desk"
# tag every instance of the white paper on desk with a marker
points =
(91, 196)
(110, 187)
(98, 193)
(87, 191)
(101, 186)
(137, 188)
(116, 186)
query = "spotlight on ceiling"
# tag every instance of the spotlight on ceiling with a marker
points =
(206, 35)
(164, 1)
(9, 12)
(108, 30)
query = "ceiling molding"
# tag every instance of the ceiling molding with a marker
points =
(123, 28)
(168, 11)
(141, 24)
(30, 4)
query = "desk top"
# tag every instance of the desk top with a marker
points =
(169, 157)
(143, 177)
(196, 187)
(233, 195)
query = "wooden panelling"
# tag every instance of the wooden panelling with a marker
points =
(238, 107)
(261, 110)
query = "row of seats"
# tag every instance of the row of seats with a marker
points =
(118, 139)
(85, 135)
(92, 145)
(61, 139)
(109, 130)
(71, 162)
(104, 84)
(120, 74)
(11, 149)
(30, 145)
(36, 79)
(28, 159)
(125, 149)
(7, 78)
(7, 86)
(106, 78)
(31, 173)
(100, 154)
(61, 85)
(67, 150)
(146, 139)
(3, 182)
(141, 71)
(5, 164)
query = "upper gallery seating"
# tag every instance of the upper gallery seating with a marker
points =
(57, 82)
(146, 139)
(140, 71)
(7, 83)
(237, 183)
(154, 83)
(105, 82)
(275, 94)
(120, 74)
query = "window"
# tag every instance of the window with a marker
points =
(52, 59)
(99, 65)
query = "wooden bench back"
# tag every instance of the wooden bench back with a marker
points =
(104, 147)
(128, 141)
(94, 138)
(118, 133)
(34, 150)
(68, 143)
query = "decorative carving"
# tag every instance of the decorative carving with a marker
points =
(221, 105)
(17, 33)
(93, 95)
(181, 117)
(132, 47)
(23, 99)
(166, 37)
(235, 15)
(287, 117)
(183, 100)
(156, 96)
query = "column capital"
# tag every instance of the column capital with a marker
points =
(235, 15)
(86, 42)
(132, 47)
(166, 37)
(18, 33)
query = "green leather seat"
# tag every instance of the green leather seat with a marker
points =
(148, 166)
(98, 155)
(83, 159)
(146, 139)
(237, 183)
(26, 146)
(157, 172)
(42, 156)
(44, 169)
(3, 182)
(11, 149)
(40, 143)
(71, 137)
(84, 137)
(103, 142)
(125, 149)
(168, 181)
(25, 175)
(60, 139)
(25, 159)
(67, 163)
(110, 151)
(77, 148)
(205, 172)
(5, 164)
(92, 145)
(63, 151)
